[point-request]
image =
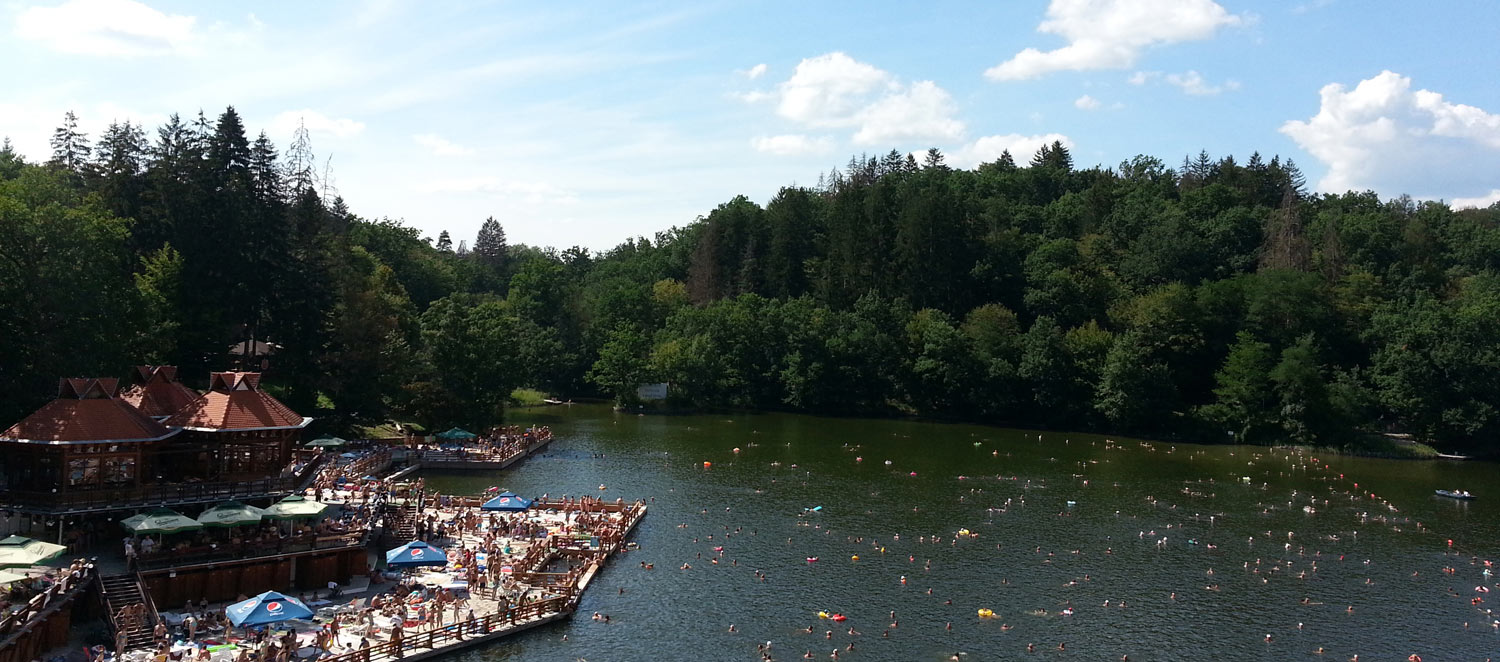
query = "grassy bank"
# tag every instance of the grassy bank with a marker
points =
(528, 397)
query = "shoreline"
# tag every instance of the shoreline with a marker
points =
(1353, 451)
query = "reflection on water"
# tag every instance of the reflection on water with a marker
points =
(1161, 551)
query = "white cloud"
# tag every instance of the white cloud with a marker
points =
(1112, 34)
(1382, 135)
(792, 145)
(989, 148)
(836, 91)
(440, 146)
(285, 124)
(1480, 202)
(1193, 83)
(106, 27)
(922, 111)
(1143, 77)
(831, 90)
(1086, 102)
(756, 71)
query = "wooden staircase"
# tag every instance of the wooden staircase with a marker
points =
(118, 591)
(401, 524)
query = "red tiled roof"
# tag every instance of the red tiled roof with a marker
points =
(86, 411)
(157, 393)
(235, 402)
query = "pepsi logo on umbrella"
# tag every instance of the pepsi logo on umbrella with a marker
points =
(416, 553)
(273, 607)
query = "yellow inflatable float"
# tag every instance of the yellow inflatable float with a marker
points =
(854, 558)
(822, 614)
(986, 613)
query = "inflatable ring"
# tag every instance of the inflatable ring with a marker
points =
(822, 614)
(838, 618)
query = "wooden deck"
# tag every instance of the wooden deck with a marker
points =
(491, 623)
(469, 460)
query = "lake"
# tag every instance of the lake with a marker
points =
(1193, 561)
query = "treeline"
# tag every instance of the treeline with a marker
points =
(1212, 299)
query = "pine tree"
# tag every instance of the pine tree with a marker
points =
(1286, 244)
(118, 176)
(489, 246)
(265, 170)
(70, 147)
(444, 242)
(10, 162)
(934, 159)
(301, 167)
(1006, 161)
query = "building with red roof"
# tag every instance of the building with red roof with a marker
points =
(234, 431)
(93, 449)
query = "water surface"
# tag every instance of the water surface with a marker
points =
(1147, 520)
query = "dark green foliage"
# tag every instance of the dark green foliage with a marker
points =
(1221, 298)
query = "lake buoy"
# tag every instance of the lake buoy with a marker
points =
(854, 558)
(707, 464)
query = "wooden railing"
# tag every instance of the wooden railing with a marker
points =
(456, 632)
(148, 495)
(509, 450)
(65, 589)
(307, 542)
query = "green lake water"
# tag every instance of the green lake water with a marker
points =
(1148, 520)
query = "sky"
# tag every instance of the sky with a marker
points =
(587, 123)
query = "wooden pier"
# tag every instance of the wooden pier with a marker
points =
(468, 459)
(494, 625)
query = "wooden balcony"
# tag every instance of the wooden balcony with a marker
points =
(131, 498)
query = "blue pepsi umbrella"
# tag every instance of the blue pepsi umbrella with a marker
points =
(415, 554)
(268, 607)
(506, 501)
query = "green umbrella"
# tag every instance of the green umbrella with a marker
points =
(160, 520)
(231, 513)
(22, 551)
(326, 441)
(455, 434)
(295, 507)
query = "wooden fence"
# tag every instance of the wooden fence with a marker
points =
(447, 635)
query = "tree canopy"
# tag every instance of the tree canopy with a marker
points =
(1219, 300)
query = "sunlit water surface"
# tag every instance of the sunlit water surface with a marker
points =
(1147, 521)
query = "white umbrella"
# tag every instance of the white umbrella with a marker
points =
(22, 551)
(160, 520)
(295, 507)
(231, 513)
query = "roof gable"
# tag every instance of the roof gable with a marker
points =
(235, 402)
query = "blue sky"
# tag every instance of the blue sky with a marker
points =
(587, 123)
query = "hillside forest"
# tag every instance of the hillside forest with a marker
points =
(1214, 300)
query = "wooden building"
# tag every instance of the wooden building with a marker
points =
(92, 450)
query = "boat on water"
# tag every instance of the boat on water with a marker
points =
(1456, 494)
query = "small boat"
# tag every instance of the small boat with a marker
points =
(1456, 494)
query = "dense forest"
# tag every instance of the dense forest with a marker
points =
(1218, 300)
